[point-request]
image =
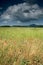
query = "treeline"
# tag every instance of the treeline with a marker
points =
(32, 25)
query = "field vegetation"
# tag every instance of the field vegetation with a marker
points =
(21, 46)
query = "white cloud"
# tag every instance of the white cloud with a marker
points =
(5, 16)
(22, 12)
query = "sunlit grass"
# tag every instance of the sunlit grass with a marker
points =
(21, 46)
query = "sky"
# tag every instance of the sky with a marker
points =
(21, 12)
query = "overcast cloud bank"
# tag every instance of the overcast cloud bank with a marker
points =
(23, 12)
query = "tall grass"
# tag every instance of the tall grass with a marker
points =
(21, 46)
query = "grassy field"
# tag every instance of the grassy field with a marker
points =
(21, 46)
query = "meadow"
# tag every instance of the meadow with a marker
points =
(21, 46)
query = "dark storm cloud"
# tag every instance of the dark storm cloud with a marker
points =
(6, 3)
(21, 10)
(22, 13)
